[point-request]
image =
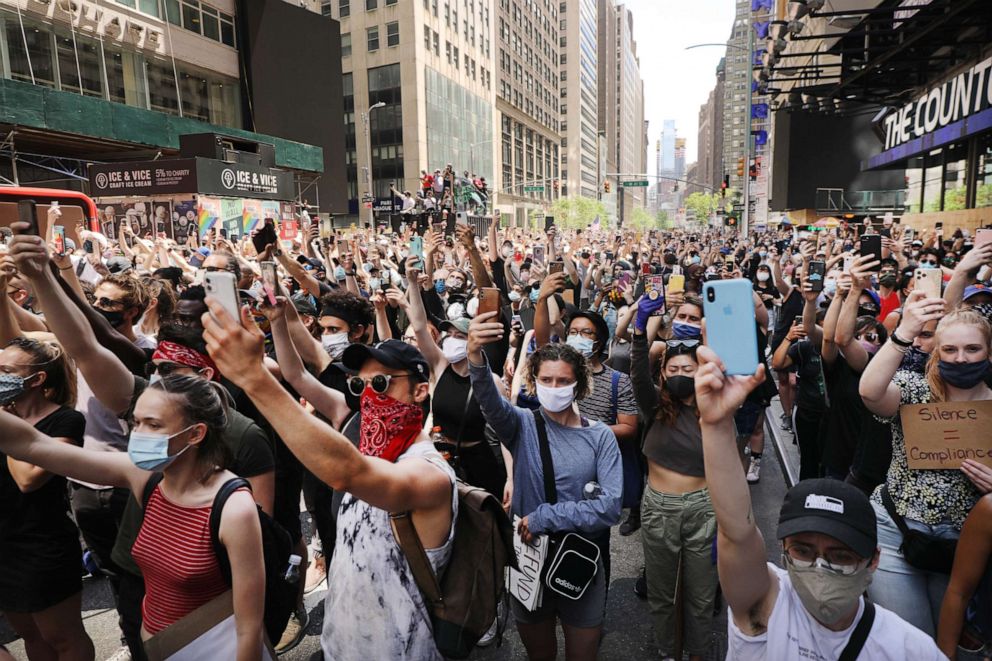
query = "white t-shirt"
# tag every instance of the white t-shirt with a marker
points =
(793, 634)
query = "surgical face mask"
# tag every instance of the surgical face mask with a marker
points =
(533, 295)
(695, 259)
(455, 349)
(506, 251)
(829, 286)
(335, 344)
(581, 344)
(150, 452)
(555, 400)
(439, 286)
(472, 307)
(825, 594)
(963, 375)
(870, 347)
(454, 285)
(12, 386)
(763, 276)
(514, 296)
(762, 253)
(375, 284)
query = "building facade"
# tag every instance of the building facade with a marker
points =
(143, 72)
(528, 142)
(430, 64)
(710, 167)
(579, 77)
(737, 78)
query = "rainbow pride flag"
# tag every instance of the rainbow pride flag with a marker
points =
(205, 221)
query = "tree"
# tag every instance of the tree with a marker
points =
(664, 221)
(702, 205)
(640, 219)
(577, 212)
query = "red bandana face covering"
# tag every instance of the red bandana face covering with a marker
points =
(389, 426)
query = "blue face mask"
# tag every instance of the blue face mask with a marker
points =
(683, 331)
(533, 295)
(695, 259)
(150, 452)
(581, 344)
(439, 286)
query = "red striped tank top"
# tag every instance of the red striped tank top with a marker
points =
(177, 560)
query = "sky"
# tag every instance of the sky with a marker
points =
(676, 81)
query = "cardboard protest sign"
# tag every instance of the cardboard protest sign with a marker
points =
(942, 435)
(525, 584)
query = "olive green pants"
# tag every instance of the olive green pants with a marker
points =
(674, 526)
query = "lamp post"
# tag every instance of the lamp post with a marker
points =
(746, 181)
(368, 165)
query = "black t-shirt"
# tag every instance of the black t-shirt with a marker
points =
(41, 515)
(792, 306)
(842, 431)
(767, 288)
(811, 393)
(456, 411)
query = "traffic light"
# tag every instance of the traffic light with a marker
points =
(730, 221)
(724, 185)
(555, 184)
(740, 166)
(606, 187)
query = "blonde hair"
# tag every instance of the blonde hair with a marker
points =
(967, 317)
(48, 356)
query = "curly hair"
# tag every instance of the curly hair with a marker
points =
(135, 293)
(162, 291)
(358, 310)
(966, 317)
(564, 353)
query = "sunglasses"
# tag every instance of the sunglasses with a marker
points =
(105, 302)
(682, 344)
(871, 337)
(379, 383)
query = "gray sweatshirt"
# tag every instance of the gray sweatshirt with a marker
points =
(579, 455)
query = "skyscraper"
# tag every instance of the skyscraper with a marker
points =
(738, 70)
(578, 62)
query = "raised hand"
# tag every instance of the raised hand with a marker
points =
(237, 346)
(28, 251)
(917, 311)
(482, 331)
(718, 396)
(273, 312)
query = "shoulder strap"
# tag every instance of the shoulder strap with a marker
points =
(547, 465)
(614, 394)
(890, 507)
(860, 634)
(150, 485)
(216, 510)
(420, 565)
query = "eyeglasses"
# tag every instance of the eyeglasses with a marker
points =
(682, 344)
(838, 561)
(584, 332)
(216, 269)
(379, 383)
(165, 369)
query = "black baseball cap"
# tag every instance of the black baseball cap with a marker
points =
(830, 507)
(391, 353)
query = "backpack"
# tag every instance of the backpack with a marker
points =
(462, 602)
(277, 546)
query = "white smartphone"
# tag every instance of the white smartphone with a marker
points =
(224, 288)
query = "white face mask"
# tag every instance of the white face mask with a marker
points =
(762, 276)
(455, 349)
(556, 400)
(335, 344)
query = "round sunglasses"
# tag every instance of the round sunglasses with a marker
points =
(379, 383)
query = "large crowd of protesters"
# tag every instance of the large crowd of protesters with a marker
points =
(371, 378)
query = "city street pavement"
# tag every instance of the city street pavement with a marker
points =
(628, 630)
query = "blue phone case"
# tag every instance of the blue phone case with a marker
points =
(731, 332)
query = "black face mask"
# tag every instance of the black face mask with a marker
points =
(114, 317)
(914, 360)
(680, 386)
(888, 280)
(867, 311)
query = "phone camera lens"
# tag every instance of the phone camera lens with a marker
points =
(710, 295)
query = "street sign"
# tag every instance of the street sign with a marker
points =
(634, 184)
(533, 189)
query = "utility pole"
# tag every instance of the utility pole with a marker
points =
(368, 163)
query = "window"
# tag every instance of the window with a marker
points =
(427, 37)
(211, 23)
(346, 44)
(227, 29)
(372, 36)
(162, 88)
(344, 8)
(447, 50)
(371, 4)
(391, 2)
(456, 56)
(87, 79)
(39, 42)
(437, 44)
(191, 16)
(393, 34)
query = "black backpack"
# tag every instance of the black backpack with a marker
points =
(277, 546)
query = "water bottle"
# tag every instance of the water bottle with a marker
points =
(592, 491)
(293, 571)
